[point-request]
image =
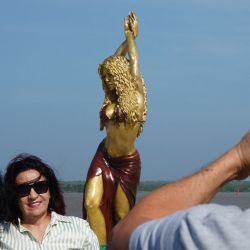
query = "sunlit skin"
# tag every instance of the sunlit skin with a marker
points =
(187, 192)
(34, 207)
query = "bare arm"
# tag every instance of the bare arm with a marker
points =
(122, 50)
(129, 45)
(131, 31)
(187, 192)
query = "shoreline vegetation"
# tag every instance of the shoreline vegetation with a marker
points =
(147, 186)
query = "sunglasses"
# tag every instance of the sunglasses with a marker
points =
(39, 186)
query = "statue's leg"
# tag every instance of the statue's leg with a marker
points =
(121, 204)
(93, 198)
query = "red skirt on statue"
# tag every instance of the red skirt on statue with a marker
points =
(119, 170)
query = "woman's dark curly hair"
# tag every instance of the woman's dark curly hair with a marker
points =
(25, 162)
(3, 199)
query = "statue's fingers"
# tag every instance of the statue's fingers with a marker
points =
(126, 24)
(134, 16)
(130, 20)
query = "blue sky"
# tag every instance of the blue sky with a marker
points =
(194, 55)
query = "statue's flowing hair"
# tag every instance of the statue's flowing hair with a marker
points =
(127, 107)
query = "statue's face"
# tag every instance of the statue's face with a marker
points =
(108, 80)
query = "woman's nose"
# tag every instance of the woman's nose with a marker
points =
(33, 194)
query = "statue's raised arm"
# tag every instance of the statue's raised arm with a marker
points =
(129, 46)
(114, 173)
(123, 83)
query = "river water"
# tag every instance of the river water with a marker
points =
(74, 201)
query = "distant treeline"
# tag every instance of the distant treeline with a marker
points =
(72, 186)
(147, 186)
(236, 186)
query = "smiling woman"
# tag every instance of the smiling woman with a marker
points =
(33, 203)
(37, 210)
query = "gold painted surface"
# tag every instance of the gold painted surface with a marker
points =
(121, 204)
(93, 198)
(124, 108)
(125, 102)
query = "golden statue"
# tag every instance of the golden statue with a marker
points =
(114, 173)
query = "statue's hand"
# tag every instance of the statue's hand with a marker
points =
(131, 24)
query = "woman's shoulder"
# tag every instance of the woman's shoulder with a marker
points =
(5, 226)
(75, 221)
